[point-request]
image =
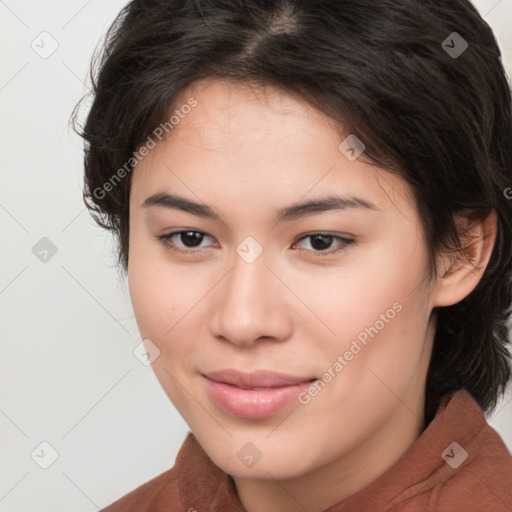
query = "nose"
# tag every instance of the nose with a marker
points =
(251, 303)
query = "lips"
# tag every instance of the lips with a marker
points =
(253, 395)
(261, 379)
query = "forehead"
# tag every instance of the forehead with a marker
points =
(228, 113)
(262, 146)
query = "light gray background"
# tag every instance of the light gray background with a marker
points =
(68, 374)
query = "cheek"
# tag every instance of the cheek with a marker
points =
(167, 301)
(378, 309)
(153, 292)
(358, 296)
(160, 303)
(157, 300)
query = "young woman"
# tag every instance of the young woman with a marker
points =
(313, 205)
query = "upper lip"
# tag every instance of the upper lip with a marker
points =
(260, 378)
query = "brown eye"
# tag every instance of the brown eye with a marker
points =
(322, 241)
(188, 242)
(188, 238)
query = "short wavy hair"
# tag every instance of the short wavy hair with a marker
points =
(421, 82)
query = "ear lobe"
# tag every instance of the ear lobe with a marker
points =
(463, 270)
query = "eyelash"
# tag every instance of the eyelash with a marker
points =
(347, 242)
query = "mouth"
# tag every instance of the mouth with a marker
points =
(260, 379)
(254, 395)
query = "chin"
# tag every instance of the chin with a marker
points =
(241, 458)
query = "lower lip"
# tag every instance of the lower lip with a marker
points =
(250, 403)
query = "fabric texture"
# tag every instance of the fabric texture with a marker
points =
(433, 475)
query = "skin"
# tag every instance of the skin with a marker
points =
(246, 153)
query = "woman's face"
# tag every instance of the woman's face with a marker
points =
(254, 290)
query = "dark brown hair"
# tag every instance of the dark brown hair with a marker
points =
(397, 74)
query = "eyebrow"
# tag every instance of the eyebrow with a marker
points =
(296, 211)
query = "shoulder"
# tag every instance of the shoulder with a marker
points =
(463, 462)
(146, 496)
(484, 476)
(477, 468)
(161, 493)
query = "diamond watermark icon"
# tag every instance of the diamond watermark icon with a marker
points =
(45, 45)
(454, 45)
(44, 250)
(249, 249)
(146, 352)
(249, 455)
(44, 455)
(454, 455)
(352, 147)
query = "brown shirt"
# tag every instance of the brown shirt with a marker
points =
(433, 475)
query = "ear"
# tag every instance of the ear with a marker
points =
(461, 272)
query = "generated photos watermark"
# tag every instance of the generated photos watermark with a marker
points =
(343, 360)
(158, 133)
